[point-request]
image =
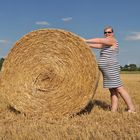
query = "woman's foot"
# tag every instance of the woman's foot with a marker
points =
(131, 111)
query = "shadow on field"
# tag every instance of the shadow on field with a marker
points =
(91, 104)
(101, 104)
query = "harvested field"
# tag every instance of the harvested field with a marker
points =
(97, 124)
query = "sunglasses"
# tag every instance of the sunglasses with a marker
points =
(107, 32)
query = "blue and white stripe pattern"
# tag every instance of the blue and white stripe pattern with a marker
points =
(110, 67)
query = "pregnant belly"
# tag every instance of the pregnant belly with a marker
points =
(104, 61)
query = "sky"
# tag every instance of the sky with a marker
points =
(86, 18)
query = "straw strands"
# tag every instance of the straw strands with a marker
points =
(49, 71)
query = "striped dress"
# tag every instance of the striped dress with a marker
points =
(110, 67)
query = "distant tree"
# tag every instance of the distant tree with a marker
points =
(132, 67)
(126, 67)
(121, 67)
(1, 62)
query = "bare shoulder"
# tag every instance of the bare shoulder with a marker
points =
(109, 41)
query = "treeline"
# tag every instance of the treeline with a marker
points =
(1, 62)
(130, 67)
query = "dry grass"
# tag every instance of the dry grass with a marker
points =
(99, 124)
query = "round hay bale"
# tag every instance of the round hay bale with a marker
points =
(49, 71)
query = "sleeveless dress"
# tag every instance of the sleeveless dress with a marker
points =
(110, 67)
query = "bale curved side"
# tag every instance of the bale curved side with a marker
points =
(49, 71)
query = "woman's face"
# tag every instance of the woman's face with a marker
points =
(108, 33)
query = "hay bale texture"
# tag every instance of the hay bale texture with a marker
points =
(49, 71)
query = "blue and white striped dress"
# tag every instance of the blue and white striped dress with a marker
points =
(110, 67)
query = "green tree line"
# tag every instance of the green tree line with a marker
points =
(130, 67)
(1, 62)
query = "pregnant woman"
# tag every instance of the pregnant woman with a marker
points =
(110, 68)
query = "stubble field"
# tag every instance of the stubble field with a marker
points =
(97, 123)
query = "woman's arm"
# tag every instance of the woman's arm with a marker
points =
(103, 41)
(97, 46)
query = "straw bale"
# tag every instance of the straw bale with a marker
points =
(49, 71)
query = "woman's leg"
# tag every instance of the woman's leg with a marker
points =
(124, 94)
(114, 99)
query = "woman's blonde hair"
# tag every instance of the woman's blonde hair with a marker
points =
(108, 27)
